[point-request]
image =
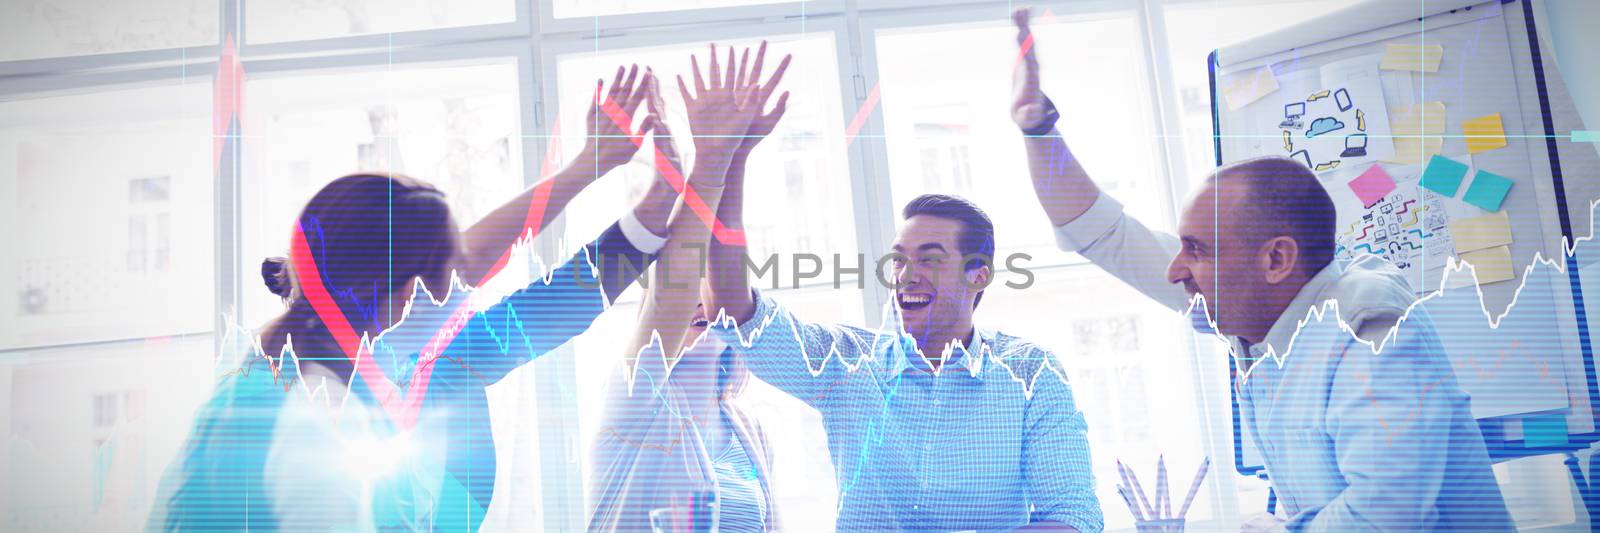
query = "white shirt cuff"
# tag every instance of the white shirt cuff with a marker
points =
(1089, 227)
(640, 237)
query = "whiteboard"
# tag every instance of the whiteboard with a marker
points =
(1533, 359)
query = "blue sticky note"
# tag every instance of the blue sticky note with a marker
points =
(1444, 175)
(1542, 431)
(1487, 191)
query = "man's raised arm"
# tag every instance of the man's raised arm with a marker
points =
(1085, 221)
(1064, 188)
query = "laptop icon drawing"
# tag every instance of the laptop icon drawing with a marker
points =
(1355, 145)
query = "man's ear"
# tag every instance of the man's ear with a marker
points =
(1279, 258)
(980, 278)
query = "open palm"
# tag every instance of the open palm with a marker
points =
(764, 124)
(720, 110)
(1028, 107)
(612, 141)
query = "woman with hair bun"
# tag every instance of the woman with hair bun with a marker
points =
(299, 434)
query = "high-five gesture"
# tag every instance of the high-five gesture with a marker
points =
(730, 287)
(1064, 188)
(612, 142)
(763, 125)
(609, 144)
(666, 148)
(661, 196)
(720, 109)
(1028, 104)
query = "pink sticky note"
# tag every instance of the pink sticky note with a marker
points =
(1372, 185)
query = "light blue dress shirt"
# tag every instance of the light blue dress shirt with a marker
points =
(1353, 439)
(742, 497)
(992, 441)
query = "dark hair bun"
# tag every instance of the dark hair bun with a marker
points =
(275, 272)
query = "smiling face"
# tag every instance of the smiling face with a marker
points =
(698, 322)
(935, 291)
(1208, 263)
(1245, 272)
(1255, 233)
(707, 366)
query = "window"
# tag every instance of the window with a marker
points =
(594, 8)
(94, 264)
(277, 21)
(950, 133)
(90, 429)
(33, 29)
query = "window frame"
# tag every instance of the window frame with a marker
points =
(613, 24)
(522, 25)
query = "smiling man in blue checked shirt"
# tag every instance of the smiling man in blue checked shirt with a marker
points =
(981, 434)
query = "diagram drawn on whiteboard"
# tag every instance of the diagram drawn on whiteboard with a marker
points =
(1409, 226)
(1332, 128)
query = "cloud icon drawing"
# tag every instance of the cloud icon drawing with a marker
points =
(1323, 125)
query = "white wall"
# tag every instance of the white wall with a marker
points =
(1570, 28)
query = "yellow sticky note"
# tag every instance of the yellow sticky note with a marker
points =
(1406, 122)
(1477, 233)
(1412, 57)
(1243, 89)
(1415, 150)
(1418, 119)
(1484, 133)
(1492, 264)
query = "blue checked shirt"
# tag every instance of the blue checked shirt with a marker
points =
(993, 441)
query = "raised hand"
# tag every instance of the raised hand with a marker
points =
(653, 210)
(1028, 106)
(720, 110)
(763, 124)
(611, 141)
(666, 148)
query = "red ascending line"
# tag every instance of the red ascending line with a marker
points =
(1027, 42)
(310, 278)
(692, 199)
(861, 116)
(227, 98)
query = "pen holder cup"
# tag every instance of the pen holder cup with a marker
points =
(1167, 525)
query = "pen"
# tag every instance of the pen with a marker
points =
(1194, 488)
